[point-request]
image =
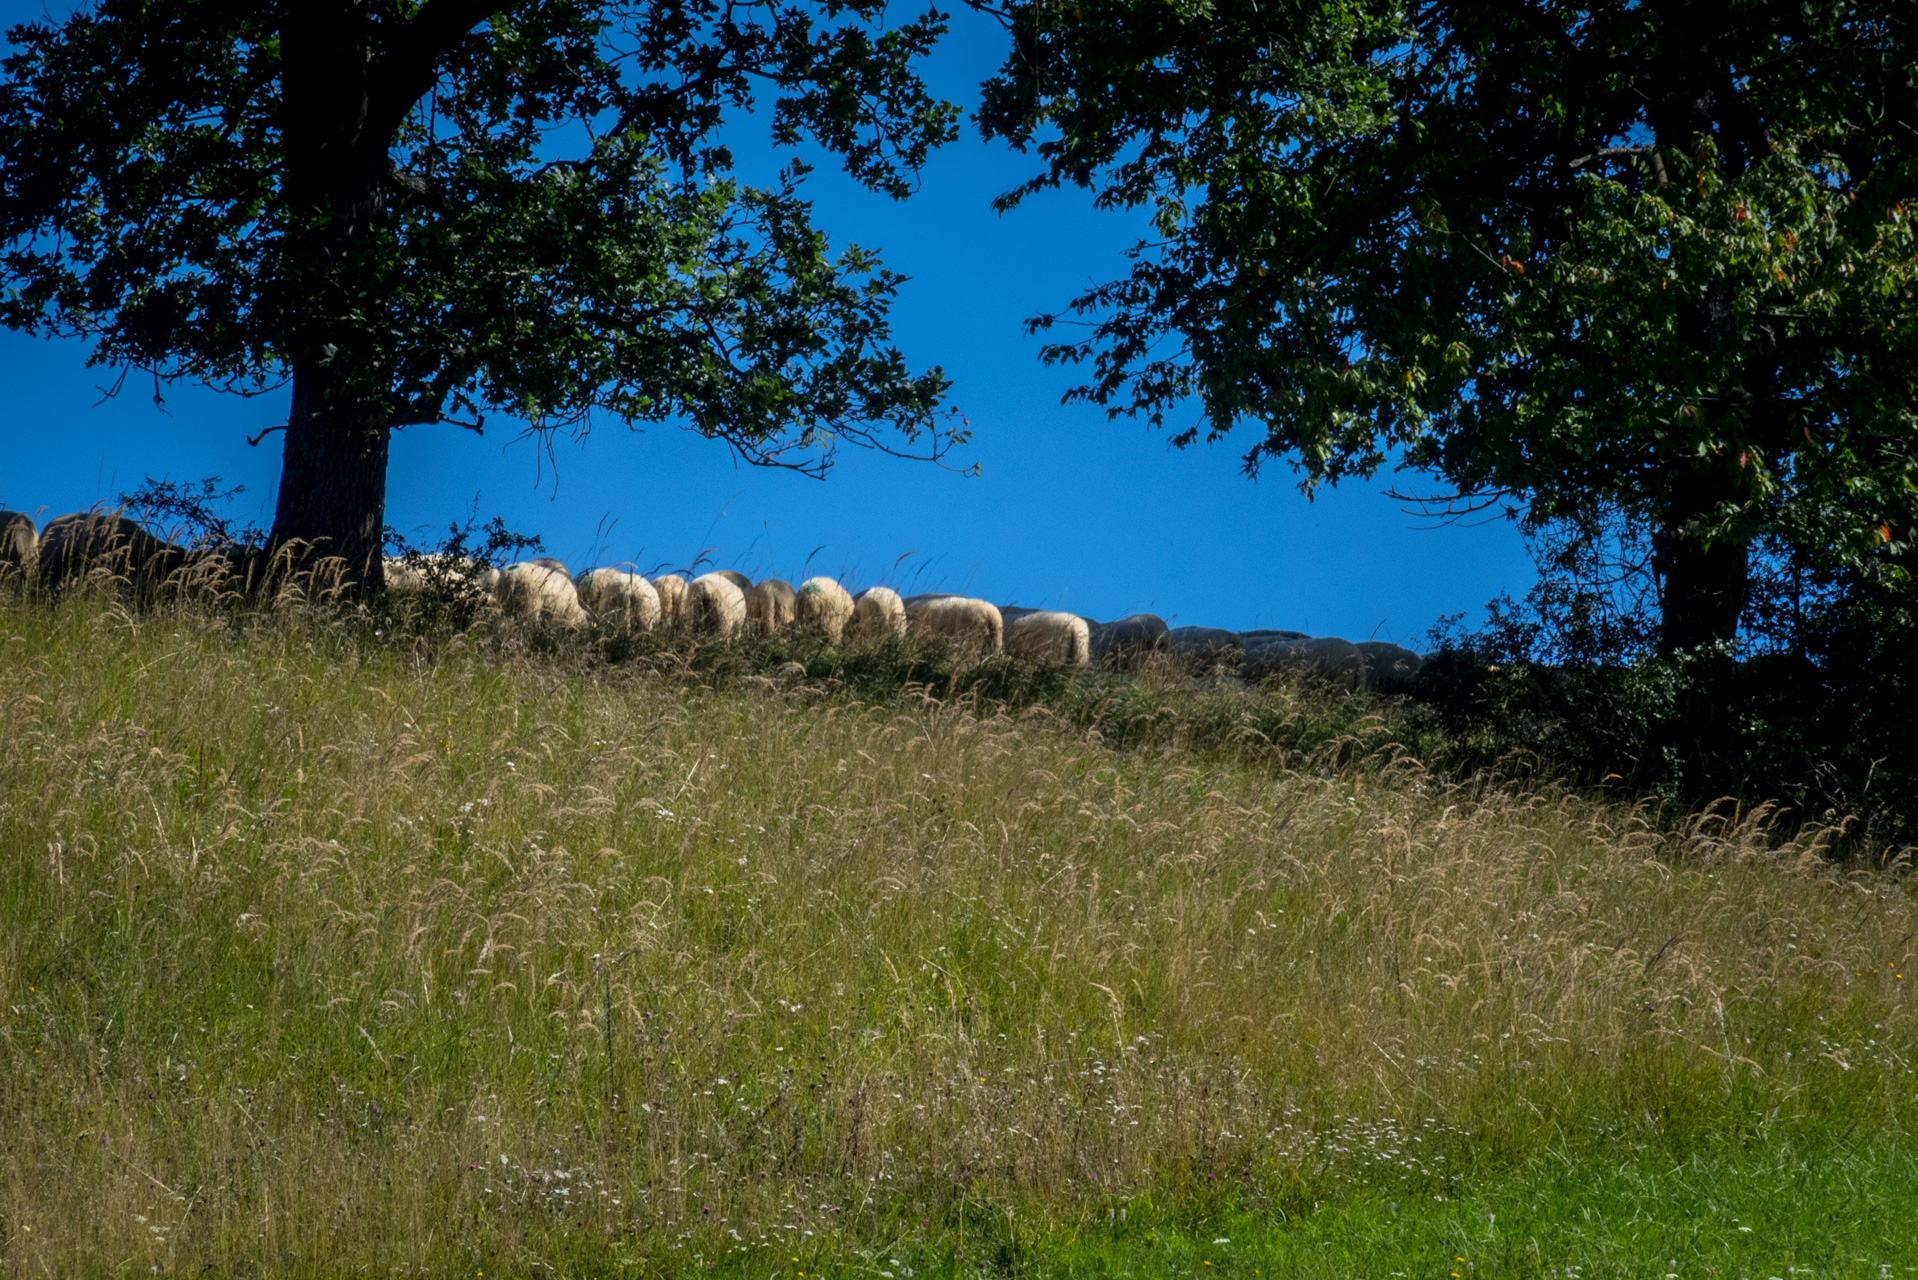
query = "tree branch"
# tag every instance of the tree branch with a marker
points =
(1650, 152)
(419, 188)
(412, 60)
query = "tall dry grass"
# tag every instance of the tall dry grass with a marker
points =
(324, 951)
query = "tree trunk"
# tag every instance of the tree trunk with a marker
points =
(332, 498)
(1706, 584)
(333, 482)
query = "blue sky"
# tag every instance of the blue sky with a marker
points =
(1069, 511)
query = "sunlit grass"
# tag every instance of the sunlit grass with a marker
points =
(325, 952)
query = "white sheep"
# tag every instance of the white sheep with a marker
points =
(401, 577)
(878, 612)
(822, 605)
(410, 575)
(975, 623)
(671, 589)
(1044, 635)
(769, 607)
(539, 591)
(715, 605)
(616, 596)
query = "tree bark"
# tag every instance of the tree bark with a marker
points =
(332, 499)
(1707, 581)
(333, 482)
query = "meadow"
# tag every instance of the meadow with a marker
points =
(328, 949)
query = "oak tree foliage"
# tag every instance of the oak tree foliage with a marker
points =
(1638, 265)
(424, 211)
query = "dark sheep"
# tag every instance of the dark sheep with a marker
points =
(1392, 668)
(1328, 658)
(73, 546)
(1209, 643)
(1128, 639)
(1258, 639)
(19, 543)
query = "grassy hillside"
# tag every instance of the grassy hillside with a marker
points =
(325, 952)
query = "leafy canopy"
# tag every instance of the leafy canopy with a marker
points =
(450, 207)
(1571, 255)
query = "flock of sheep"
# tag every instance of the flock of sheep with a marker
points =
(725, 603)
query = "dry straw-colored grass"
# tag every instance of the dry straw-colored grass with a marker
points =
(323, 950)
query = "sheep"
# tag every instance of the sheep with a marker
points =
(400, 576)
(19, 543)
(75, 545)
(1267, 651)
(536, 590)
(1335, 661)
(616, 596)
(822, 605)
(671, 589)
(1128, 639)
(1048, 636)
(1203, 645)
(222, 568)
(769, 606)
(715, 605)
(411, 574)
(1328, 658)
(878, 612)
(1251, 640)
(737, 578)
(958, 618)
(1392, 668)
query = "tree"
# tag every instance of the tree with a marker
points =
(421, 211)
(1641, 264)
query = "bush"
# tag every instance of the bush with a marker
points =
(1807, 709)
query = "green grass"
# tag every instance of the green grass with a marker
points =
(1847, 1212)
(326, 952)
